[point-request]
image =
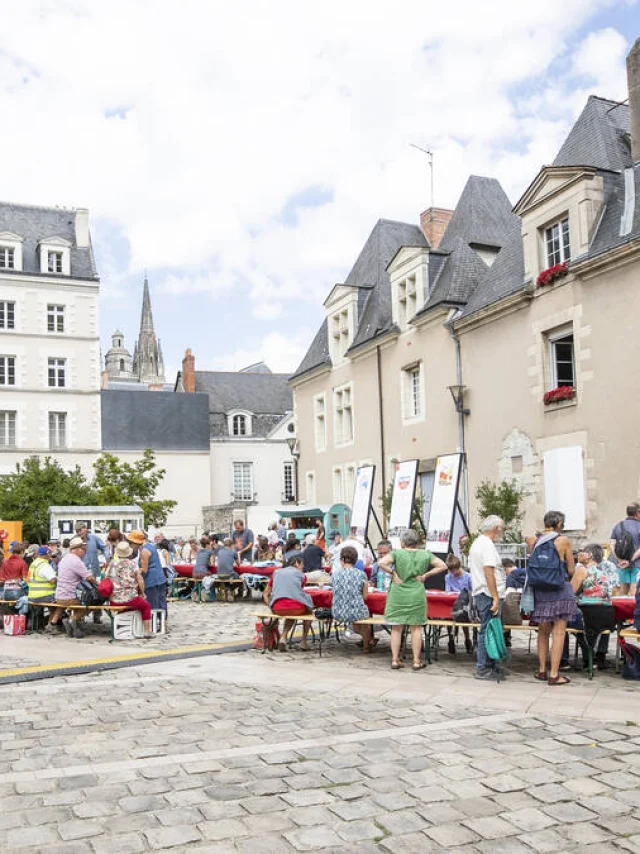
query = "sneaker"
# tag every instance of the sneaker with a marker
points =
(468, 645)
(78, 633)
(52, 628)
(486, 675)
(68, 626)
(452, 646)
(97, 617)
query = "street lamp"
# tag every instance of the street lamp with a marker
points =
(457, 393)
(292, 442)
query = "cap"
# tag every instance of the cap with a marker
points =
(77, 543)
(44, 550)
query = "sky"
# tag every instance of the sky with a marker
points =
(241, 153)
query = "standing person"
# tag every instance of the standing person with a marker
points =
(321, 535)
(334, 552)
(282, 530)
(349, 590)
(71, 571)
(384, 548)
(113, 538)
(155, 583)
(313, 555)
(243, 539)
(488, 580)
(627, 531)
(94, 545)
(553, 609)
(272, 536)
(407, 600)
(128, 585)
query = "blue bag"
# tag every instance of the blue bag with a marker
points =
(545, 570)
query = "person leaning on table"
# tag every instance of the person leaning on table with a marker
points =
(286, 597)
(406, 600)
(71, 571)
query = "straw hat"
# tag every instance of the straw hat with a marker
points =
(136, 537)
(123, 549)
(77, 543)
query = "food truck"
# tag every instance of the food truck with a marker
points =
(304, 520)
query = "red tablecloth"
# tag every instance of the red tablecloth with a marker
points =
(185, 570)
(439, 604)
(624, 607)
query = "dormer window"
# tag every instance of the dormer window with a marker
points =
(340, 333)
(409, 277)
(55, 256)
(557, 244)
(54, 262)
(7, 258)
(342, 320)
(10, 251)
(407, 300)
(239, 424)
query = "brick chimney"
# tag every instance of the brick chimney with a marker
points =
(633, 82)
(434, 222)
(189, 372)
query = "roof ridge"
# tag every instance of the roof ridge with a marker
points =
(243, 373)
(59, 208)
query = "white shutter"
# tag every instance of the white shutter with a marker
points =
(564, 485)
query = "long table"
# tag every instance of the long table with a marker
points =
(185, 570)
(439, 603)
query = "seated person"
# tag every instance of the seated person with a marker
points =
(205, 557)
(594, 599)
(286, 596)
(42, 577)
(263, 551)
(456, 580)
(292, 549)
(227, 560)
(128, 584)
(312, 556)
(13, 572)
(71, 571)
(384, 548)
(349, 590)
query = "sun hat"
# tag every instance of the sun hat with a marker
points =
(77, 543)
(44, 550)
(136, 537)
(123, 549)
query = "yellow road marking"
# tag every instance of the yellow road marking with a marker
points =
(136, 656)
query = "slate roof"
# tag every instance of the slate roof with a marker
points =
(267, 396)
(504, 277)
(459, 276)
(599, 138)
(369, 273)
(36, 223)
(482, 216)
(161, 420)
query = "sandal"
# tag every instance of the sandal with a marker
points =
(541, 675)
(397, 665)
(559, 680)
(417, 667)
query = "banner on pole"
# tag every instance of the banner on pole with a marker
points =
(443, 503)
(361, 505)
(402, 498)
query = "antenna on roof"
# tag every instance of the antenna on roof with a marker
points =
(619, 104)
(429, 154)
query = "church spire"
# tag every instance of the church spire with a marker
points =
(146, 316)
(148, 364)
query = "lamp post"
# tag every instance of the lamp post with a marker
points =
(457, 393)
(292, 442)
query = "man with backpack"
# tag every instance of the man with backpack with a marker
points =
(625, 542)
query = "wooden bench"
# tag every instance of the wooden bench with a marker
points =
(111, 610)
(266, 617)
(225, 588)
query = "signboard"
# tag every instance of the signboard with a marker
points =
(443, 503)
(361, 505)
(404, 490)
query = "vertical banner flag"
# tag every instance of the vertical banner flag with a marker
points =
(443, 503)
(361, 506)
(404, 490)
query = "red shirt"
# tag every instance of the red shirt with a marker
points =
(13, 569)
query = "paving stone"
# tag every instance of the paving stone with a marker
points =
(586, 833)
(78, 829)
(477, 807)
(171, 837)
(225, 793)
(619, 780)
(504, 783)
(552, 793)
(352, 792)
(124, 843)
(491, 827)
(308, 781)
(269, 844)
(142, 803)
(450, 835)
(213, 810)
(529, 818)
(390, 801)
(82, 781)
(271, 803)
(408, 843)
(308, 816)
(307, 798)
(313, 838)
(569, 813)
(544, 841)
(171, 817)
(621, 825)
(352, 810)
(402, 822)
(357, 831)
(501, 846)
(431, 794)
(225, 828)
(585, 787)
(605, 806)
(270, 822)
(631, 844)
(440, 813)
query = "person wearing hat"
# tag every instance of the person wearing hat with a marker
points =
(42, 577)
(93, 545)
(128, 584)
(71, 571)
(155, 582)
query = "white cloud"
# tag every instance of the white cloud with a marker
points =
(282, 353)
(190, 125)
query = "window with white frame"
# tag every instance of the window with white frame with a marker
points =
(7, 315)
(54, 261)
(7, 258)
(349, 483)
(340, 333)
(288, 481)
(557, 245)
(343, 415)
(57, 430)
(57, 373)
(243, 481)
(562, 365)
(239, 425)
(412, 391)
(407, 300)
(55, 318)
(338, 485)
(320, 421)
(7, 370)
(7, 429)
(310, 485)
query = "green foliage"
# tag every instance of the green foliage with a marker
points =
(504, 500)
(132, 483)
(36, 484)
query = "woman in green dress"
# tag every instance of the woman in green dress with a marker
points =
(406, 600)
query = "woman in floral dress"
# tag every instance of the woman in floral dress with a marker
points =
(350, 587)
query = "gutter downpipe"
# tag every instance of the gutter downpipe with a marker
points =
(381, 417)
(461, 435)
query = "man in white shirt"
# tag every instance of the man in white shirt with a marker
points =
(488, 580)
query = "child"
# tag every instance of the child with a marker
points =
(455, 581)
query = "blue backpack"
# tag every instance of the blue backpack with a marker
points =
(545, 570)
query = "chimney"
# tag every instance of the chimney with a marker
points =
(82, 227)
(104, 379)
(189, 372)
(434, 222)
(633, 82)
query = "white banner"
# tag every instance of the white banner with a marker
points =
(361, 504)
(404, 489)
(443, 503)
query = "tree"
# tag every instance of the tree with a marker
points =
(36, 484)
(502, 500)
(115, 482)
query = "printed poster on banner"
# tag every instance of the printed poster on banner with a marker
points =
(361, 506)
(443, 503)
(404, 489)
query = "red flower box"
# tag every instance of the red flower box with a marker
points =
(563, 392)
(548, 277)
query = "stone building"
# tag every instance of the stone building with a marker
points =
(428, 348)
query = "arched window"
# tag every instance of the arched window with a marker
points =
(122, 364)
(239, 425)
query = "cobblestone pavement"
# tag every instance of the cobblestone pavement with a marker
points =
(149, 759)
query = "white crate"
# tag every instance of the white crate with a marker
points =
(127, 625)
(159, 622)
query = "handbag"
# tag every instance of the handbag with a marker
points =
(323, 614)
(511, 615)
